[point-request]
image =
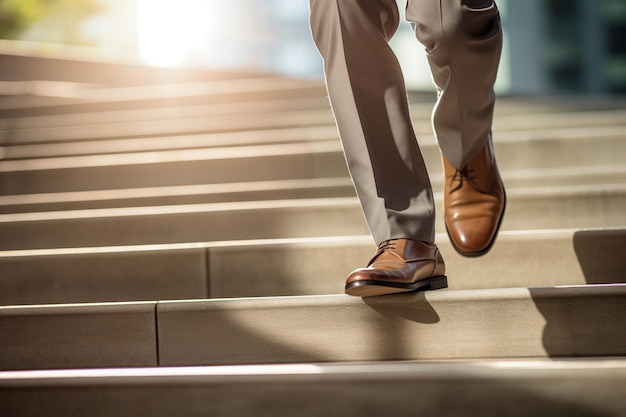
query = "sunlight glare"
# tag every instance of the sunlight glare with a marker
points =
(169, 30)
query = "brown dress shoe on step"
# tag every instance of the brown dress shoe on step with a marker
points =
(399, 265)
(474, 200)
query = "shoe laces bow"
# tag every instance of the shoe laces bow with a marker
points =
(462, 175)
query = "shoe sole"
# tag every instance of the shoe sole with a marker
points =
(370, 288)
(491, 242)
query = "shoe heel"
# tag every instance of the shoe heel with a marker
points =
(437, 283)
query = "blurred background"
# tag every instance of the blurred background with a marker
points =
(551, 46)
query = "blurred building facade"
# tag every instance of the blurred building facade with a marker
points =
(565, 45)
(551, 46)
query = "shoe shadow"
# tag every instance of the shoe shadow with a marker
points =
(397, 316)
(411, 306)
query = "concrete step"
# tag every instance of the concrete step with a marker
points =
(25, 62)
(164, 143)
(204, 124)
(316, 157)
(558, 388)
(540, 322)
(179, 112)
(234, 89)
(182, 167)
(291, 267)
(185, 223)
(181, 194)
(511, 113)
(538, 208)
(283, 189)
(269, 115)
(177, 195)
(67, 141)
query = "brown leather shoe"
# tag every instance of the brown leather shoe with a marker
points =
(399, 265)
(474, 200)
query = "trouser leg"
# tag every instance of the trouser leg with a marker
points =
(368, 97)
(463, 41)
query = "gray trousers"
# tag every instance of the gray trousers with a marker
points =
(366, 87)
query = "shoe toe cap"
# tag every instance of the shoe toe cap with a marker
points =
(473, 236)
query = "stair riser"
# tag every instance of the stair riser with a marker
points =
(437, 325)
(611, 177)
(170, 196)
(146, 96)
(66, 145)
(306, 110)
(28, 106)
(203, 226)
(77, 336)
(165, 143)
(21, 178)
(446, 391)
(573, 259)
(296, 218)
(179, 112)
(210, 171)
(125, 276)
(541, 322)
(508, 115)
(223, 123)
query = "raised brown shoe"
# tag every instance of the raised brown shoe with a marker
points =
(399, 265)
(474, 201)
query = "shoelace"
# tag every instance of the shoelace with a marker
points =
(387, 244)
(461, 175)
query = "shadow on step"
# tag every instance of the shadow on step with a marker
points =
(600, 254)
(584, 325)
(582, 322)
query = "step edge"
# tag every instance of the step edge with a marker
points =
(426, 369)
(304, 301)
(277, 242)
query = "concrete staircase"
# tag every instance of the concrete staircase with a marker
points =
(177, 243)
